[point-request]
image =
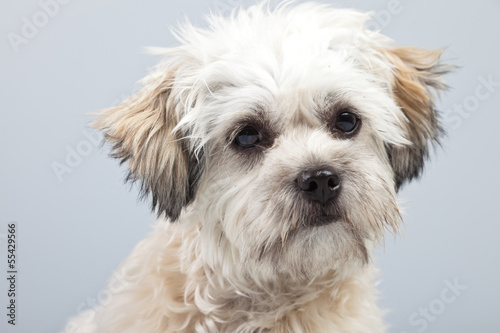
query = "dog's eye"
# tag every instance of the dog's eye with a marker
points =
(248, 137)
(347, 122)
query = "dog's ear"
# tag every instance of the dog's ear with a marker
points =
(416, 78)
(140, 131)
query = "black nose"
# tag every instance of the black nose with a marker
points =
(321, 184)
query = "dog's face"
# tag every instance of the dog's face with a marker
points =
(284, 134)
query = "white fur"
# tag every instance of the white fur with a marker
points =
(240, 258)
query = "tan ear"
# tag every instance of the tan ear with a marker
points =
(140, 131)
(417, 77)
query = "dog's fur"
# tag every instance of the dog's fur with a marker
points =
(242, 250)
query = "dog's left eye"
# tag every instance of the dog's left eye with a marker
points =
(346, 122)
(248, 137)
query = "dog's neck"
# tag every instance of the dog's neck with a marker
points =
(175, 290)
(278, 305)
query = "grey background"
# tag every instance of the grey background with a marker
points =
(73, 232)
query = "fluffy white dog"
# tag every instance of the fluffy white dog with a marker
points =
(272, 144)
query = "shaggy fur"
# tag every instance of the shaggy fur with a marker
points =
(238, 247)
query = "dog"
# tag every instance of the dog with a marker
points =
(272, 145)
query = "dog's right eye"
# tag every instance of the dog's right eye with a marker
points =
(248, 137)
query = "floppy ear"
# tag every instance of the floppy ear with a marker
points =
(140, 131)
(416, 79)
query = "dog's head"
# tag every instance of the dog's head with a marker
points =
(286, 133)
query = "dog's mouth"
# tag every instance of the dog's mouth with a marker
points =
(321, 220)
(322, 215)
(297, 214)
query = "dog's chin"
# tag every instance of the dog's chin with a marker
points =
(323, 245)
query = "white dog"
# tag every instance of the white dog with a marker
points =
(272, 144)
